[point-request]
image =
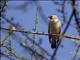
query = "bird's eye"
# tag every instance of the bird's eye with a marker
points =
(50, 17)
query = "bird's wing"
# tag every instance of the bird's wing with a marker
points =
(49, 32)
(49, 28)
(58, 40)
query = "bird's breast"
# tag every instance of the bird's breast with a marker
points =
(54, 27)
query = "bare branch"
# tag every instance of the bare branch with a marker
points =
(40, 33)
(33, 51)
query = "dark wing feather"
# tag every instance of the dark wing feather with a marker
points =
(49, 32)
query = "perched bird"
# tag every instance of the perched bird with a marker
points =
(54, 27)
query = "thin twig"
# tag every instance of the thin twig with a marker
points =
(24, 34)
(76, 15)
(33, 51)
(67, 26)
(40, 33)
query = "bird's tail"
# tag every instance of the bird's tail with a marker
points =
(54, 42)
(53, 45)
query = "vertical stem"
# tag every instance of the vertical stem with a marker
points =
(76, 16)
(35, 30)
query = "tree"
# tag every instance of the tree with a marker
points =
(29, 43)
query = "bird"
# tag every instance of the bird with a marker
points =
(54, 27)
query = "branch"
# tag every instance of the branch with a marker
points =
(24, 34)
(77, 20)
(40, 33)
(67, 26)
(33, 51)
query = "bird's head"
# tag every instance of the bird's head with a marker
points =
(53, 17)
